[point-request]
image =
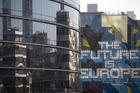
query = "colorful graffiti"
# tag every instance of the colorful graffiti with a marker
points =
(110, 54)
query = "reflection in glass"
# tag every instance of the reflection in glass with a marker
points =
(35, 56)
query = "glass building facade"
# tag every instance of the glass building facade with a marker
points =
(39, 46)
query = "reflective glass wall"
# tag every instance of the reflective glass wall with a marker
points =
(39, 46)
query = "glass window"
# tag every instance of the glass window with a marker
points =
(18, 55)
(21, 81)
(45, 9)
(73, 15)
(1, 6)
(16, 7)
(75, 3)
(36, 32)
(48, 32)
(1, 28)
(17, 24)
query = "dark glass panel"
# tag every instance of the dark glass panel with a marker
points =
(37, 81)
(19, 55)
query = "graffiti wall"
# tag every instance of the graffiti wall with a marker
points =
(110, 54)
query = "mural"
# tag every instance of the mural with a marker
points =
(110, 54)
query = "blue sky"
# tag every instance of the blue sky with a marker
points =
(113, 6)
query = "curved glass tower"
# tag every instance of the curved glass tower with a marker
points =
(39, 46)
